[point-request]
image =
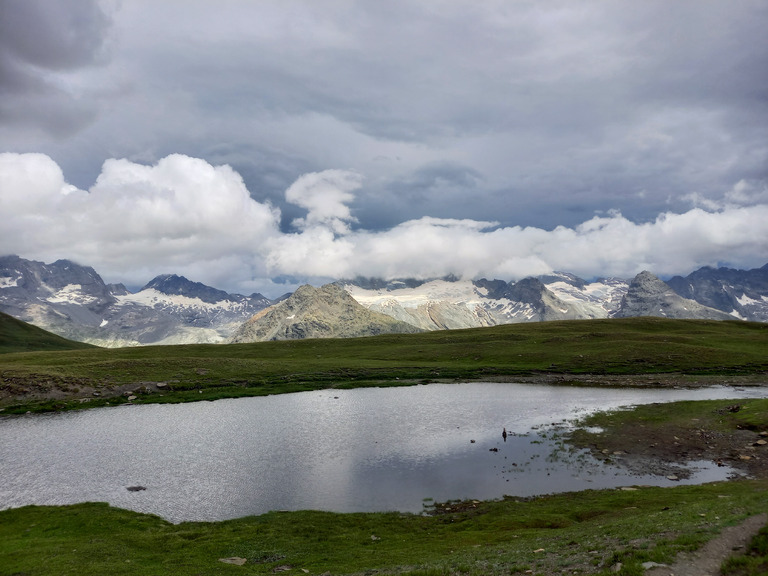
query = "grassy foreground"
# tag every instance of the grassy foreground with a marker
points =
(585, 533)
(67, 379)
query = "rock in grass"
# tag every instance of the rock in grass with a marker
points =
(236, 560)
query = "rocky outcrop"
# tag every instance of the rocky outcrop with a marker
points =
(740, 293)
(325, 312)
(649, 296)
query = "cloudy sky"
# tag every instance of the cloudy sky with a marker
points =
(254, 145)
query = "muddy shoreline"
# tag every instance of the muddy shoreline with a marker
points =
(28, 389)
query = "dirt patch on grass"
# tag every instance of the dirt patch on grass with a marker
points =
(32, 389)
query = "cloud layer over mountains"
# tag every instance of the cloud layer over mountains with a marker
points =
(186, 216)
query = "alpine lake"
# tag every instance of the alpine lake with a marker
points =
(359, 450)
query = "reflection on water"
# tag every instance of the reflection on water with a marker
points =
(343, 450)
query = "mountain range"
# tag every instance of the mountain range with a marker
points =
(73, 301)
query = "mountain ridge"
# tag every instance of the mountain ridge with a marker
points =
(74, 302)
(647, 295)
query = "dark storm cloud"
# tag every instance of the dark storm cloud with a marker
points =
(38, 41)
(53, 35)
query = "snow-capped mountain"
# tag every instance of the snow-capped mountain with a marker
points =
(73, 301)
(451, 303)
(741, 293)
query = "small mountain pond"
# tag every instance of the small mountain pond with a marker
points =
(368, 449)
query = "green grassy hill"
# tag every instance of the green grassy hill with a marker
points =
(18, 336)
(649, 346)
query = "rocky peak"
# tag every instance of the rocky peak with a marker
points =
(739, 292)
(325, 312)
(175, 285)
(61, 280)
(528, 291)
(648, 295)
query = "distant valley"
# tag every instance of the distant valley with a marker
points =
(73, 301)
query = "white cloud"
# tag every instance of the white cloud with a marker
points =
(185, 216)
(747, 192)
(325, 196)
(602, 246)
(528, 113)
(179, 215)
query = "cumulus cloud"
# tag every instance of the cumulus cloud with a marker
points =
(184, 215)
(181, 215)
(325, 195)
(609, 245)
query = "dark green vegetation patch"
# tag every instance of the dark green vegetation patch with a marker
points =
(18, 336)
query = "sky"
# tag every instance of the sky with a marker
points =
(258, 145)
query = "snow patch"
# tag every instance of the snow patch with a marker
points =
(735, 314)
(746, 300)
(153, 298)
(8, 282)
(71, 294)
(462, 291)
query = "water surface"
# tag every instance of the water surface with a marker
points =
(368, 449)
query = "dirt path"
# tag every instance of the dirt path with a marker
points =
(707, 560)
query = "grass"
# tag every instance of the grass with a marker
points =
(18, 336)
(754, 562)
(712, 416)
(588, 532)
(606, 347)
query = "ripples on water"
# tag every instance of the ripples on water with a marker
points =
(368, 449)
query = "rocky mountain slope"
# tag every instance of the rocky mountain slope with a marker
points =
(741, 293)
(649, 296)
(451, 303)
(325, 312)
(73, 301)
